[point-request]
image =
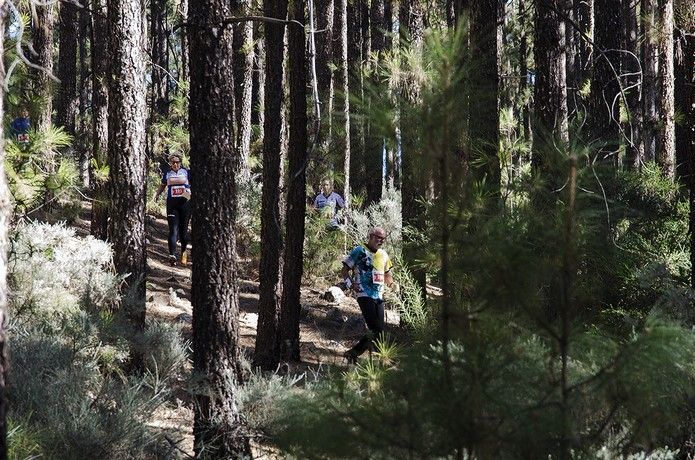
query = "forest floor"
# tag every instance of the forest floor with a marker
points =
(327, 329)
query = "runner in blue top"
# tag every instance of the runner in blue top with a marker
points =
(178, 207)
(329, 202)
(371, 267)
(20, 125)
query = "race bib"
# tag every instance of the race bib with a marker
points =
(23, 138)
(377, 277)
(177, 190)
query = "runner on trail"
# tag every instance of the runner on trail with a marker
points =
(178, 207)
(20, 126)
(329, 202)
(371, 267)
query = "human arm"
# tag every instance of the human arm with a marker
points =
(339, 202)
(159, 191)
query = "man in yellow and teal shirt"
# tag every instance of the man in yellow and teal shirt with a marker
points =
(371, 269)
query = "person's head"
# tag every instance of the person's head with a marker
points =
(326, 187)
(174, 162)
(377, 236)
(24, 112)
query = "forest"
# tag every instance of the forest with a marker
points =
(347, 229)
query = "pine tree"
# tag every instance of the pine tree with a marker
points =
(66, 98)
(215, 171)
(43, 45)
(268, 333)
(665, 133)
(127, 158)
(296, 189)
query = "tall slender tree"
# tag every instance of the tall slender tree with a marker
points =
(66, 96)
(373, 155)
(650, 72)
(666, 134)
(341, 135)
(483, 125)
(84, 88)
(630, 64)
(159, 51)
(268, 332)
(215, 170)
(550, 91)
(324, 74)
(243, 76)
(4, 247)
(605, 83)
(296, 188)
(43, 45)
(100, 126)
(127, 158)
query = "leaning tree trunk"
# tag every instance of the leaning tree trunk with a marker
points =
(665, 134)
(215, 170)
(650, 60)
(100, 127)
(43, 45)
(127, 158)
(550, 95)
(5, 216)
(296, 190)
(268, 333)
(66, 97)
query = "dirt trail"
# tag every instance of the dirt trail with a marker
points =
(326, 329)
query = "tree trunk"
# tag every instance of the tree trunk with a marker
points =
(100, 128)
(43, 45)
(634, 153)
(215, 169)
(373, 155)
(688, 139)
(258, 91)
(605, 86)
(268, 333)
(127, 159)
(84, 88)
(341, 133)
(296, 183)
(66, 97)
(358, 51)
(183, 31)
(684, 89)
(665, 134)
(523, 70)
(243, 76)
(325, 10)
(483, 125)
(160, 60)
(650, 59)
(550, 91)
(5, 215)
(414, 173)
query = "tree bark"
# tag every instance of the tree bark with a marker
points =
(605, 85)
(100, 128)
(373, 155)
(160, 60)
(84, 88)
(296, 189)
(66, 97)
(358, 52)
(325, 10)
(650, 59)
(634, 153)
(484, 123)
(183, 31)
(127, 158)
(550, 90)
(215, 170)
(341, 134)
(5, 216)
(243, 76)
(43, 45)
(258, 92)
(268, 332)
(665, 134)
